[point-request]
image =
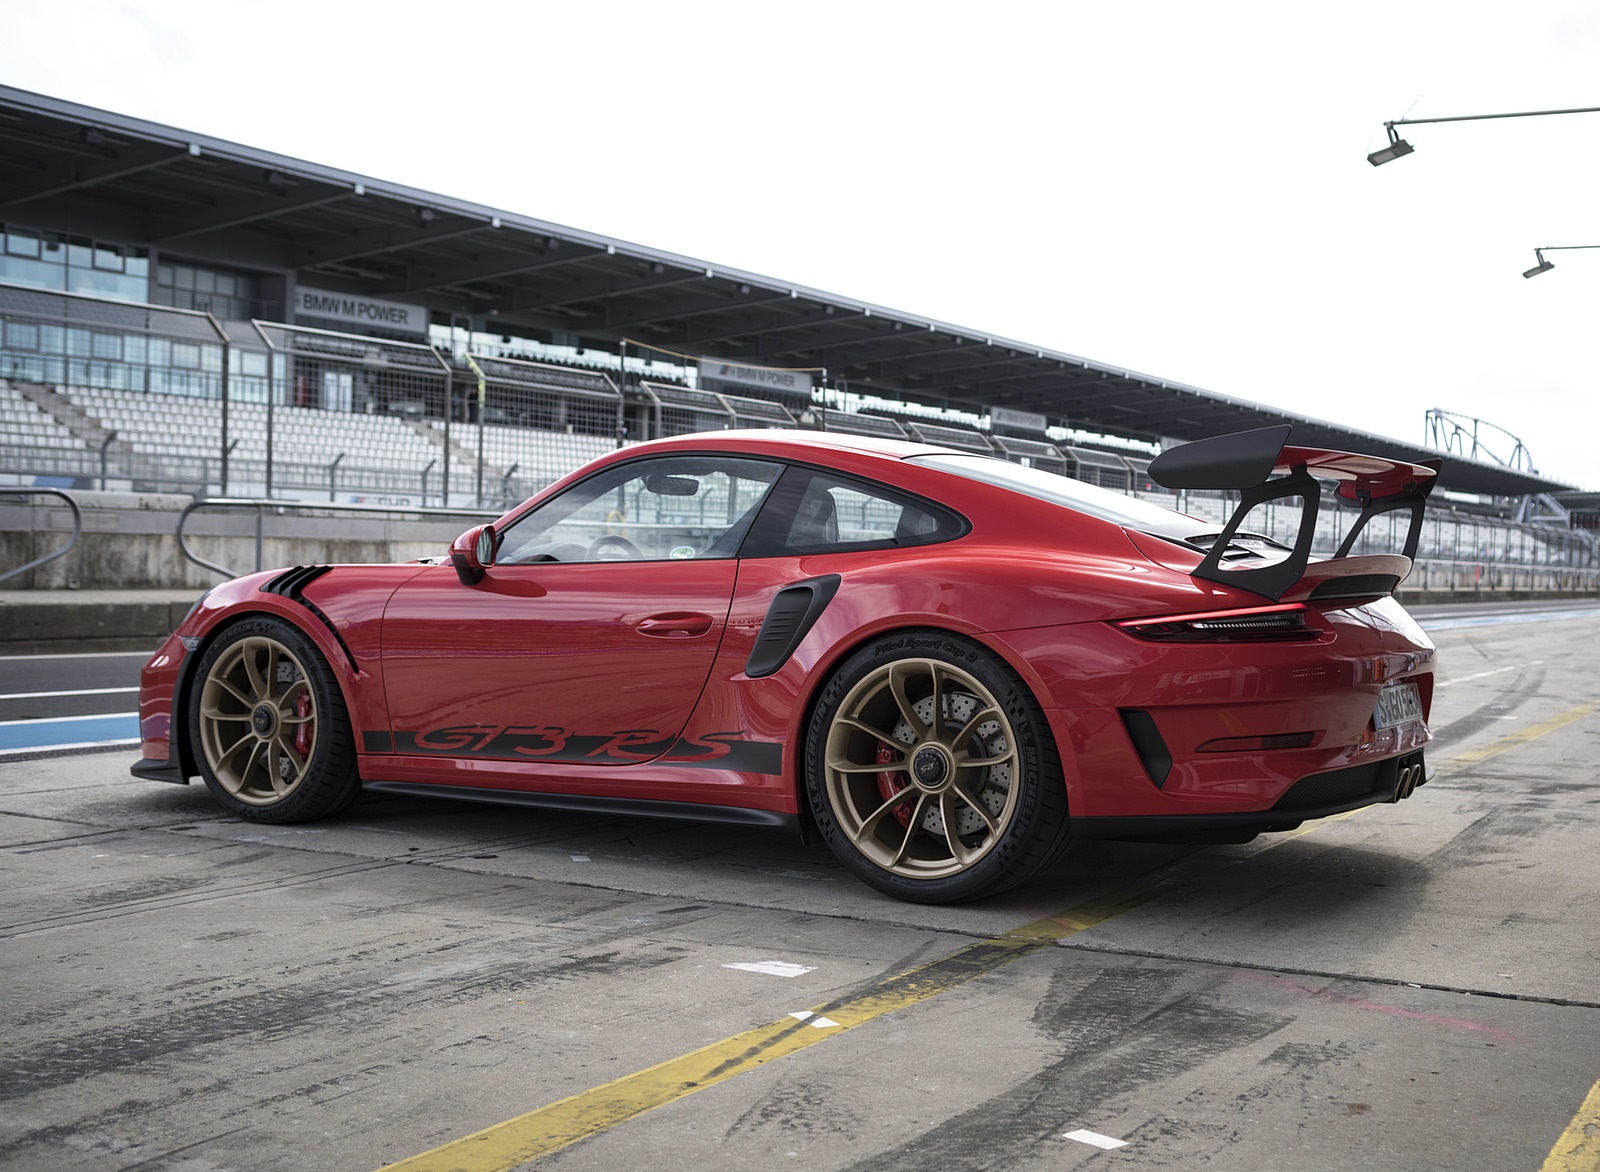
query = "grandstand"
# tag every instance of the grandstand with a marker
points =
(184, 325)
(539, 421)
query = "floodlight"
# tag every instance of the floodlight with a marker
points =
(1397, 148)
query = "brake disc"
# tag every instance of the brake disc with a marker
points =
(987, 740)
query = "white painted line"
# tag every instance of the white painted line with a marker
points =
(1530, 616)
(1492, 672)
(1095, 1140)
(773, 968)
(580, 858)
(821, 1023)
(80, 655)
(74, 692)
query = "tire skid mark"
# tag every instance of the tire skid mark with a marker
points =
(268, 1015)
(1525, 686)
(1203, 1127)
(162, 902)
(1119, 1030)
(133, 906)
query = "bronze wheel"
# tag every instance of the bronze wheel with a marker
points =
(921, 769)
(931, 772)
(270, 725)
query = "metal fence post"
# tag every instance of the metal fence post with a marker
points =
(105, 456)
(227, 361)
(272, 394)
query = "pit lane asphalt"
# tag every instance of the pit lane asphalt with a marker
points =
(1410, 987)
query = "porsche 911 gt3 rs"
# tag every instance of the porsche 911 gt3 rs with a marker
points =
(946, 666)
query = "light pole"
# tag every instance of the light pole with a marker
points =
(1398, 147)
(1544, 266)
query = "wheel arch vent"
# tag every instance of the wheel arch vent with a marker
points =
(291, 584)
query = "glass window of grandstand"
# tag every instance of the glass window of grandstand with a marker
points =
(672, 508)
(248, 371)
(73, 264)
(224, 295)
(108, 359)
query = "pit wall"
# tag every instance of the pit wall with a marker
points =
(129, 541)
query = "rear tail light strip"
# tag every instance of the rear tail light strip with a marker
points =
(1285, 622)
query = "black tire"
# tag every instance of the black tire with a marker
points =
(269, 727)
(934, 810)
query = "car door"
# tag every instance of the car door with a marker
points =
(590, 638)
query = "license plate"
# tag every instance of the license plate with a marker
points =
(1397, 704)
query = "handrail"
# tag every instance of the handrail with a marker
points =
(279, 507)
(77, 527)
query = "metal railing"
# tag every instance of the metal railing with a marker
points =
(265, 507)
(1467, 579)
(72, 540)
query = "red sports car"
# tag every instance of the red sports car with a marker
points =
(946, 666)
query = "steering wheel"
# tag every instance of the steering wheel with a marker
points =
(612, 541)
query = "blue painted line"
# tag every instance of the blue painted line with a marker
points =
(68, 730)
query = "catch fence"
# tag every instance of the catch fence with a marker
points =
(101, 394)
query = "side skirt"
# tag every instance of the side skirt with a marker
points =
(640, 808)
(159, 771)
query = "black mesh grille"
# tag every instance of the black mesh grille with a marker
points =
(1329, 789)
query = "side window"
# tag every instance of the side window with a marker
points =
(666, 508)
(813, 511)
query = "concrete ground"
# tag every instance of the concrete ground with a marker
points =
(1412, 987)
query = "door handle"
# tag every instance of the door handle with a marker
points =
(678, 625)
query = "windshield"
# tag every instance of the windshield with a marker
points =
(1099, 502)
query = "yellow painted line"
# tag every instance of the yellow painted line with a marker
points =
(561, 1124)
(1578, 1149)
(1517, 739)
(549, 1129)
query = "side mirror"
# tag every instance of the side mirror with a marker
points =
(472, 553)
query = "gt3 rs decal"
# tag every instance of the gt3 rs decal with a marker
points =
(533, 742)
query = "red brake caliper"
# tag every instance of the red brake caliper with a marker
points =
(890, 783)
(303, 733)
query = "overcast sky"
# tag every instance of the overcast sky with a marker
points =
(1176, 188)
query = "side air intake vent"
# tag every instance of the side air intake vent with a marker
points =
(792, 613)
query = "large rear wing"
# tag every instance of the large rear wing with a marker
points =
(1261, 467)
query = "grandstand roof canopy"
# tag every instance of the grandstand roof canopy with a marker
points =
(71, 168)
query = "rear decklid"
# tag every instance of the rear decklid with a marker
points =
(1261, 467)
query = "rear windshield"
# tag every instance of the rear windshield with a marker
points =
(1115, 507)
